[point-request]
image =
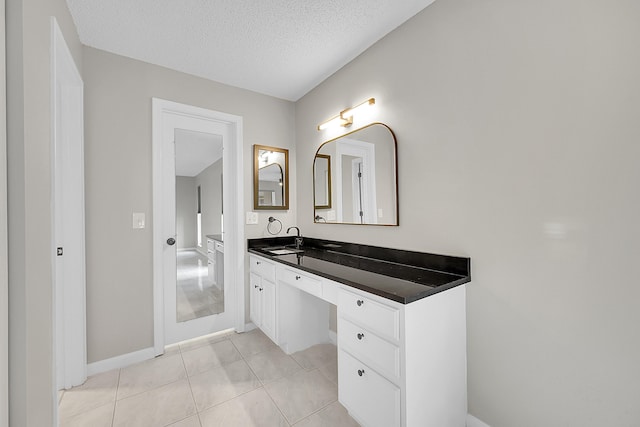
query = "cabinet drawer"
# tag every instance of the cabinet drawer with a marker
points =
(301, 281)
(379, 318)
(210, 245)
(371, 399)
(370, 348)
(330, 291)
(262, 267)
(211, 255)
(219, 247)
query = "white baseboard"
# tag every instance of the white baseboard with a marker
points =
(474, 422)
(249, 327)
(120, 361)
(333, 337)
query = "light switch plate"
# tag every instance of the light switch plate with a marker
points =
(138, 220)
(252, 217)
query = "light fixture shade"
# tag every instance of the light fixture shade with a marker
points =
(335, 121)
(350, 112)
(345, 118)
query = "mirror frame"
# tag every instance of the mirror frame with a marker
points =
(285, 178)
(328, 205)
(395, 148)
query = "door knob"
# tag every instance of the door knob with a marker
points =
(171, 241)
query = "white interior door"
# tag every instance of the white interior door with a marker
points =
(169, 117)
(68, 240)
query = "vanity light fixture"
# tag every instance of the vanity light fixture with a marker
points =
(350, 112)
(345, 118)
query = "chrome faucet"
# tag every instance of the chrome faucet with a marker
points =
(298, 237)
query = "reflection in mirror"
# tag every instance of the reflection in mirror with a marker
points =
(322, 181)
(270, 178)
(199, 287)
(361, 185)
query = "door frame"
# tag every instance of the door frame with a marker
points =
(234, 207)
(366, 151)
(67, 173)
(4, 275)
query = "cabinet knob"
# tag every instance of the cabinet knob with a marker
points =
(297, 277)
(258, 263)
(360, 336)
(359, 302)
(360, 372)
(261, 289)
(255, 286)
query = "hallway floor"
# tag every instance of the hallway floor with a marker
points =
(235, 380)
(196, 295)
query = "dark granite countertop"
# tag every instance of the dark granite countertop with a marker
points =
(398, 275)
(217, 237)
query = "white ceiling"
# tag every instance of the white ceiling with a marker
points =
(195, 151)
(282, 48)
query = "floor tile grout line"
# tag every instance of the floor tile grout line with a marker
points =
(193, 398)
(278, 407)
(225, 401)
(115, 400)
(153, 388)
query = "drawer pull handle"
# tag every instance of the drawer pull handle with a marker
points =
(360, 372)
(297, 277)
(359, 302)
(360, 336)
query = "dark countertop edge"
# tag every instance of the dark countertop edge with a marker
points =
(427, 292)
(460, 266)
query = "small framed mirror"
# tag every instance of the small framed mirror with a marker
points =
(355, 178)
(322, 181)
(270, 178)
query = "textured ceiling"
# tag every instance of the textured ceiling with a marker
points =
(196, 151)
(282, 48)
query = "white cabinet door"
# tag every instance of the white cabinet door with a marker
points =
(255, 300)
(371, 399)
(268, 295)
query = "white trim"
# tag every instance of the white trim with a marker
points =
(121, 361)
(67, 218)
(333, 337)
(234, 207)
(475, 422)
(4, 279)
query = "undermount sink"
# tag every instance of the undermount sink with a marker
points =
(281, 250)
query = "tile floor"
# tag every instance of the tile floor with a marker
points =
(196, 295)
(235, 380)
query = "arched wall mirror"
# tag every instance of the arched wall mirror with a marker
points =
(270, 178)
(355, 178)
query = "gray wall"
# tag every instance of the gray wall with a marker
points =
(210, 182)
(4, 273)
(118, 94)
(31, 369)
(186, 209)
(517, 126)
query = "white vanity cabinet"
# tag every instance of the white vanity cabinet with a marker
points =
(262, 295)
(399, 365)
(403, 364)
